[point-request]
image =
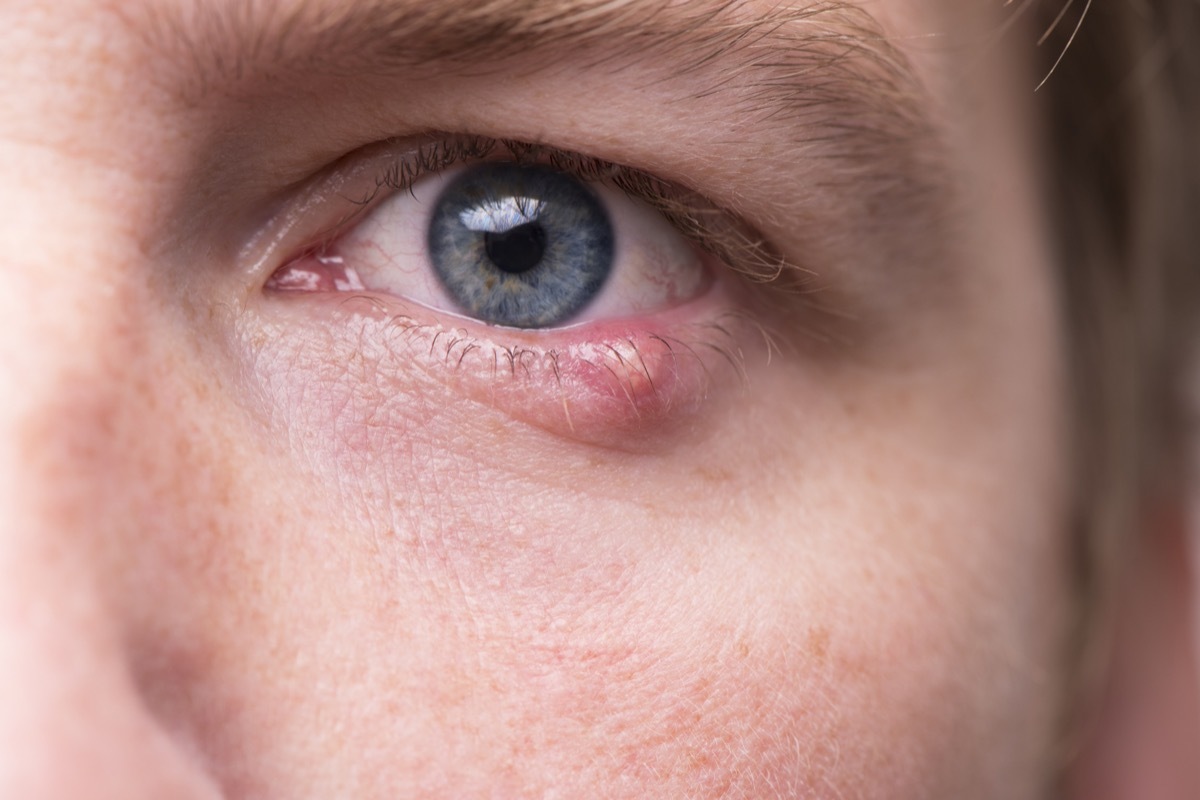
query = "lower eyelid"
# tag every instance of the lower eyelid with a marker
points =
(626, 384)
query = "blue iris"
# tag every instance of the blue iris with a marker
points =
(522, 246)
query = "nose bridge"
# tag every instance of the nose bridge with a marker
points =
(77, 408)
(83, 413)
(68, 355)
(61, 432)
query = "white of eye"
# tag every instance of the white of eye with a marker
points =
(656, 267)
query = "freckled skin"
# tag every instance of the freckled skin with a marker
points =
(255, 547)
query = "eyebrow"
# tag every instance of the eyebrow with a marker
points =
(780, 63)
(404, 32)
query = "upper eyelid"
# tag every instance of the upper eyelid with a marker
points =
(716, 230)
(814, 104)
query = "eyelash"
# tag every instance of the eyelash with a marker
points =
(715, 230)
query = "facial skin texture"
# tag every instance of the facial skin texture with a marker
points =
(263, 545)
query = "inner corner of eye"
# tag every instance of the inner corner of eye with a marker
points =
(314, 272)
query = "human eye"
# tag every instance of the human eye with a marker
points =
(514, 243)
(593, 295)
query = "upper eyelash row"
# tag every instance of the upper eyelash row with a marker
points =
(715, 230)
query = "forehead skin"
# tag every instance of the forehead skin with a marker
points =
(260, 549)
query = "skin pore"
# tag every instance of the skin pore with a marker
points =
(790, 538)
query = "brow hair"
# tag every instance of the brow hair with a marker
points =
(401, 34)
(780, 64)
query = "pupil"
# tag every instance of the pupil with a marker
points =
(518, 249)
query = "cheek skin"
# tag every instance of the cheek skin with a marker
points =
(386, 588)
(505, 608)
(446, 623)
(304, 577)
(500, 646)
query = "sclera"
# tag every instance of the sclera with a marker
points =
(655, 268)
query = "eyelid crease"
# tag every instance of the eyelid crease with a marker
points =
(717, 231)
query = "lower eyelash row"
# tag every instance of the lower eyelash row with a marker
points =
(623, 388)
(703, 342)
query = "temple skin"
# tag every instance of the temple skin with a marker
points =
(268, 545)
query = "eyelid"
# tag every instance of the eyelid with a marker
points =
(362, 179)
(623, 383)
